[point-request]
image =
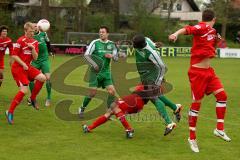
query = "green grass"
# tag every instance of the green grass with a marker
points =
(42, 135)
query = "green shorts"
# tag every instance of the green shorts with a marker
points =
(100, 80)
(44, 66)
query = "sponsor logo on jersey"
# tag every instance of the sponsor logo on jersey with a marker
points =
(27, 52)
(109, 47)
(2, 48)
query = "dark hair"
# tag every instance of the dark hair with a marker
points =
(2, 28)
(104, 27)
(208, 15)
(139, 41)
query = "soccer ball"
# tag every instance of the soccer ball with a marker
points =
(43, 25)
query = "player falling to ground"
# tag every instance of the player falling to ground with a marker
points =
(24, 52)
(5, 42)
(202, 77)
(99, 54)
(42, 63)
(130, 104)
(152, 70)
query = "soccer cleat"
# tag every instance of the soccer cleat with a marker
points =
(85, 129)
(177, 113)
(81, 112)
(48, 103)
(129, 134)
(221, 134)
(9, 117)
(169, 128)
(193, 145)
(29, 103)
(34, 104)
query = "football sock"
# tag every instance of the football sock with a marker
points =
(17, 99)
(31, 86)
(99, 121)
(49, 89)
(121, 116)
(86, 101)
(110, 100)
(168, 103)
(37, 87)
(162, 110)
(192, 119)
(221, 109)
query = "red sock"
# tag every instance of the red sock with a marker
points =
(99, 121)
(221, 109)
(37, 87)
(192, 119)
(121, 116)
(17, 99)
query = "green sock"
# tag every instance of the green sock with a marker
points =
(168, 103)
(110, 100)
(31, 85)
(86, 101)
(49, 89)
(162, 110)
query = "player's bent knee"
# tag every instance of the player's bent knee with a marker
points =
(24, 89)
(41, 78)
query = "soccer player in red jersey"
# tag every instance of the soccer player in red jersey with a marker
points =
(5, 42)
(130, 104)
(24, 52)
(202, 77)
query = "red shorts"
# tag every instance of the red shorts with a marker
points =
(23, 77)
(203, 81)
(1, 61)
(131, 104)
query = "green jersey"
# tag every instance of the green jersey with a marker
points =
(42, 38)
(95, 54)
(149, 64)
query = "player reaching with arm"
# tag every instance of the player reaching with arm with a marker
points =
(5, 42)
(202, 77)
(99, 54)
(152, 70)
(42, 63)
(24, 52)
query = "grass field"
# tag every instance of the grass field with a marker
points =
(42, 135)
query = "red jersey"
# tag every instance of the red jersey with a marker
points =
(23, 51)
(4, 44)
(204, 40)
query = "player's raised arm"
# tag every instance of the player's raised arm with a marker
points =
(173, 37)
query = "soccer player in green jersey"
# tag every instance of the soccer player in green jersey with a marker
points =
(99, 54)
(42, 63)
(152, 70)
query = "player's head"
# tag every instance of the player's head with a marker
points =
(208, 15)
(3, 31)
(103, 33)
(139, 41)
(29, 29)
(35, 27)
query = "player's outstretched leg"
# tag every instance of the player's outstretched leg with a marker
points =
(220, 112)
(192, 120)
(99, 121)
(177, 108)
(162, 111)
